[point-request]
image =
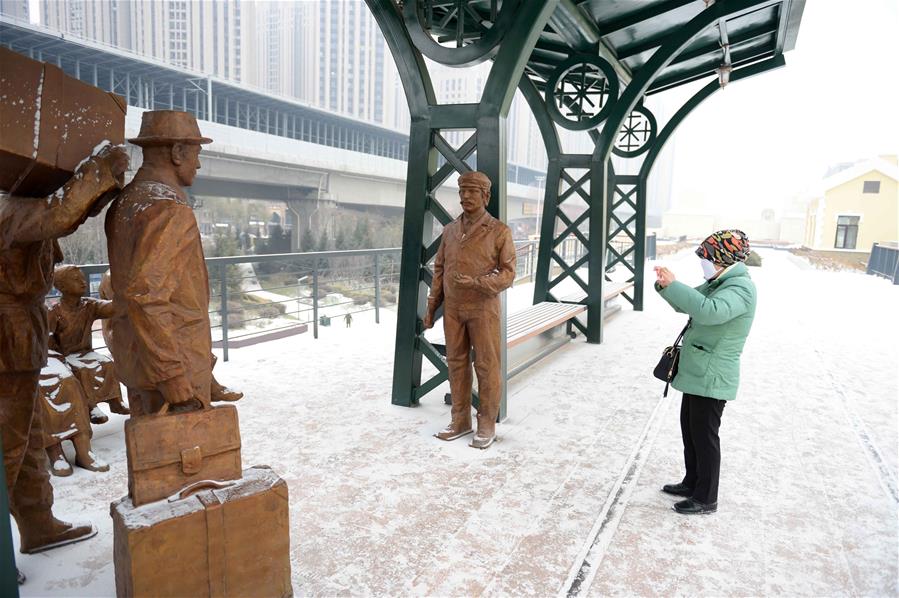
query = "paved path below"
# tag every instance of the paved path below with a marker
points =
(567, 501)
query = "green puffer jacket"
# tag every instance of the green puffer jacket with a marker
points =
(722, 312)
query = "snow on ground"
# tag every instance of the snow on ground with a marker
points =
(808, 500)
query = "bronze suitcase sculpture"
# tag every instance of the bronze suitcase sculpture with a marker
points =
(168, 452)
(220, 539)
(49, 122)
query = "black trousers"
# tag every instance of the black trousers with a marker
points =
(700, 418)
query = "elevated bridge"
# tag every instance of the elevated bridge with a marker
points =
(265, 146)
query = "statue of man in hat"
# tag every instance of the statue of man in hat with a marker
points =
(160, 286)
(474, 264)
(29, 228)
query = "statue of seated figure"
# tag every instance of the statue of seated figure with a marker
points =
(64, 416)
(70, 322)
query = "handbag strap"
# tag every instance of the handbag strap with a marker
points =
(682, 333)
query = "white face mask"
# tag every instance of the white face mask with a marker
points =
(708, 268)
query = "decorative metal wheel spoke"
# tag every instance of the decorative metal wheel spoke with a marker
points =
(636, 134)
(458, 32)
(581, 91)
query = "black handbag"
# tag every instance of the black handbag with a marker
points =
(666, 370)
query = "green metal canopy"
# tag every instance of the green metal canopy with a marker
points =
(584, 66)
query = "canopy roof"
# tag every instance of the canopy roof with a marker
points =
(628, 32)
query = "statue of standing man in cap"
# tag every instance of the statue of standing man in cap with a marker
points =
(160, 286)
(475, 263)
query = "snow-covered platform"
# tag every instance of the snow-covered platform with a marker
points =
(568, 500)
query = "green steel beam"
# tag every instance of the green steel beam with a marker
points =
(700, 96)
(674, 45)
(738, 59)
(663, 137)
(575, 27)
(715, 48)
(650, 12)
(514, 34)
(602, 182)
(409, 63)
(416, 224)
(551, 141)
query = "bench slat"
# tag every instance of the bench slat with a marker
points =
(538, 319)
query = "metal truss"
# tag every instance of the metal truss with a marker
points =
(456, 33)
(593, 226)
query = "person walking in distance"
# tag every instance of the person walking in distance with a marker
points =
(721, 312)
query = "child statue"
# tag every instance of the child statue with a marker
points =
(64, 417)
(71, 321)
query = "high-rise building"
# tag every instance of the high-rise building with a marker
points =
(17, 9)
(349, 70)
(105, 21)
(283, 52)
(216, 37)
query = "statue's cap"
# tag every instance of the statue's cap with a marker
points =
(475, 179)
(167, 127)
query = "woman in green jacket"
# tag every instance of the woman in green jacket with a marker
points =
(721, 311)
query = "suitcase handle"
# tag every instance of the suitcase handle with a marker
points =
(192, 489)
(165, 407)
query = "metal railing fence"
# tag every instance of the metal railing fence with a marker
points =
(259, 295)
(884, 261)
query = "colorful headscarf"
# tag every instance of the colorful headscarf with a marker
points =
(725, 247)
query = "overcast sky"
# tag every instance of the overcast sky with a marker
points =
(765, 139)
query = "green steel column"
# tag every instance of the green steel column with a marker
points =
(640, 244)
(551, 186)
(9, 585)
(417, 226)
(600, 173)
(547, 230)
(505, 75)
(515, 33)
(600, 183)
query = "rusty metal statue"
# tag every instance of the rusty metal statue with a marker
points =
(474, 264)
(160, 286)
(64, 416)
(29, 227)
(71, 322)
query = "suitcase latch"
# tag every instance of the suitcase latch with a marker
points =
(191, 460)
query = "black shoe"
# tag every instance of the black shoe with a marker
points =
(679, 489)
(694, 507)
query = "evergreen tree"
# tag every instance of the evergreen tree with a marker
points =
(323, 241)
(362, 234)
(307, 241)
(340, 241)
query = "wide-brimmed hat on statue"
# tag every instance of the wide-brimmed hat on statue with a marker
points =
(166, 127)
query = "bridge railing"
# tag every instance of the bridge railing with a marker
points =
(254, 298)
(884, 261)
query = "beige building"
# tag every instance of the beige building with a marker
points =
(856, 207)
